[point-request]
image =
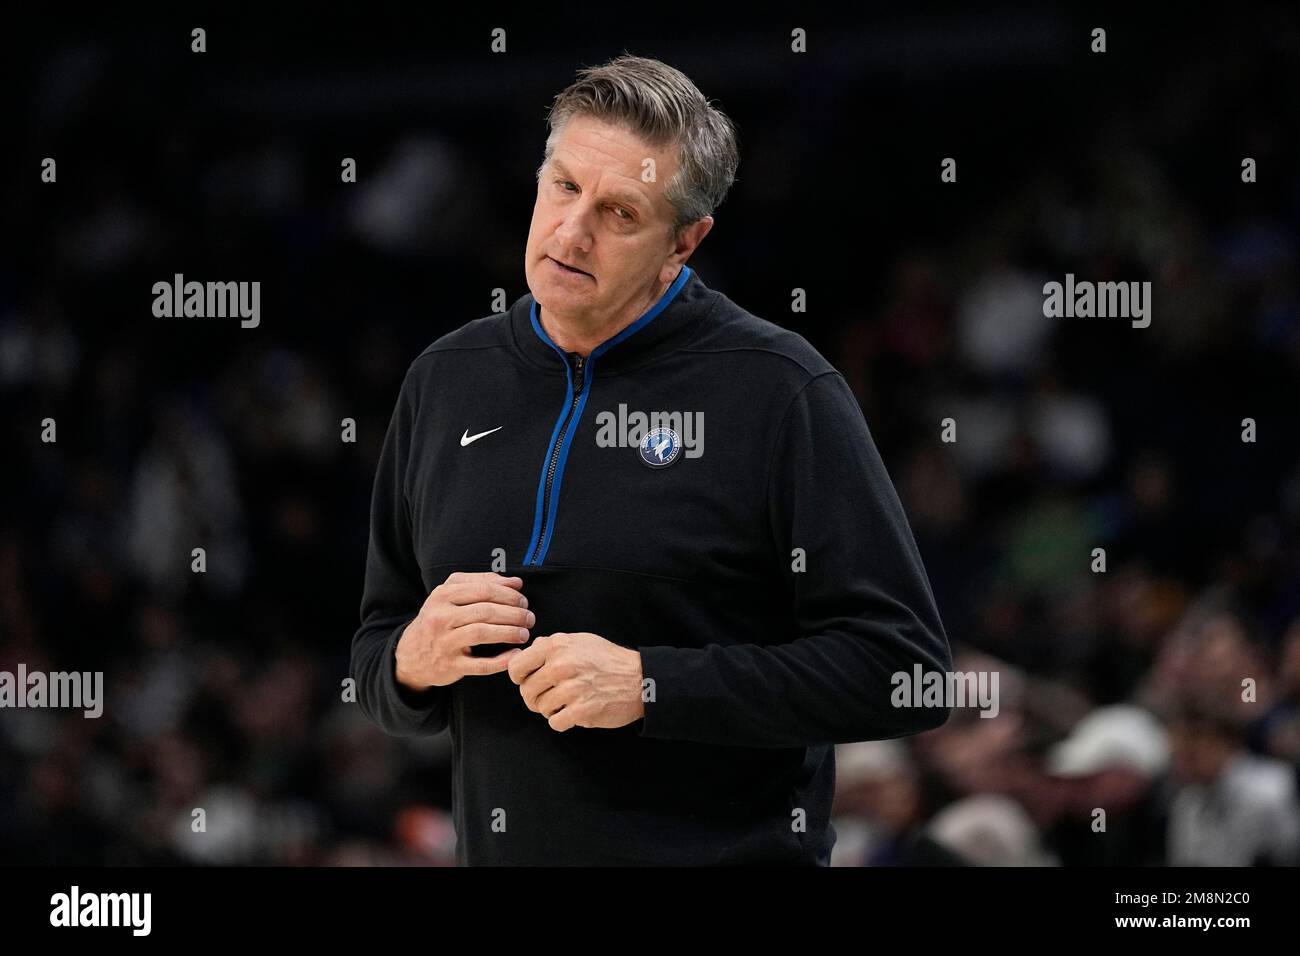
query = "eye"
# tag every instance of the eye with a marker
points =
(565, 182)
(622, 213)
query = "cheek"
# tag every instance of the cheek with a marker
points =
(633, 262)
(538, 226)
(543, 226)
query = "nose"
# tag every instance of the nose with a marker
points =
(574, 232)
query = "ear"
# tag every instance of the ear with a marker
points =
(684, 245)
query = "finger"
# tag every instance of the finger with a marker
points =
(533, 657)
(488, 613)
(471, 634)
(470, 577)
(477, 592)
(551, 700)
(482, 666)
(532, 687)
(563, 719)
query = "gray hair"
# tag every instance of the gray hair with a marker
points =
(661, 105)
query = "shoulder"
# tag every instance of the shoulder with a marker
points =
(768, 349)
(487, 333)
(1263, 779)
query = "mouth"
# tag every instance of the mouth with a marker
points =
(570, 269)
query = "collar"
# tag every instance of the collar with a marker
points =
(661, 328)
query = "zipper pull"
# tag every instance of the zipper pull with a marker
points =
(578, 367)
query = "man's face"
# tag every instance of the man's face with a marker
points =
(1197, 755)
(596, 212)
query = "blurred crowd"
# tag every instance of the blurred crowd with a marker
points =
(1149, 692)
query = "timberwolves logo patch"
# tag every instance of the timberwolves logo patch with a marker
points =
(660, 447)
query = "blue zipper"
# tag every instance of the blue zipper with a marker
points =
(557, 450)
(549, 489)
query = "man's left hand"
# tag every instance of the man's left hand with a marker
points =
(580, 680)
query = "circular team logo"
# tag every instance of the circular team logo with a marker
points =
(660, 447)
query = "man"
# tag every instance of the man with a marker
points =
(1232, 807)
(645, 645)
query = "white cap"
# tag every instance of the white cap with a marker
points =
(870, 760)
(990, 829)
(1120, 735)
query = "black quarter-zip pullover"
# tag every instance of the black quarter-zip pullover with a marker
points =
(753, 549)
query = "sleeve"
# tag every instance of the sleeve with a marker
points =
(863, 607)
(393, 593)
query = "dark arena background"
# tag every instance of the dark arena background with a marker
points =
(1108, 507)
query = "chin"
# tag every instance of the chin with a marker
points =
(561, 295)
(561, 300)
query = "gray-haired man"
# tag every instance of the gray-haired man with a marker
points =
(642, 656)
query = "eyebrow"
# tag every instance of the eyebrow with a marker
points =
(627, 197)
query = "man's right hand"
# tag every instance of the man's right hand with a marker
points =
(468, 608)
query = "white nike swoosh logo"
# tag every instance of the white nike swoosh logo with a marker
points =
(466, 438)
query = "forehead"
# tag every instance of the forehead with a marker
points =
(590, 147)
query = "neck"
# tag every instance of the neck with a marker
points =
(582, 333)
